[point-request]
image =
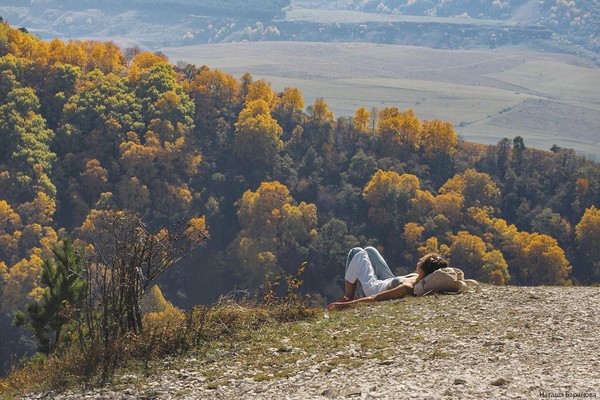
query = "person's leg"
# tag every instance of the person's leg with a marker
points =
(352, 290)
(382, 271)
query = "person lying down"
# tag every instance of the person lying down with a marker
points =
(368, 278)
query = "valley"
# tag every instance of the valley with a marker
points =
(487, 94)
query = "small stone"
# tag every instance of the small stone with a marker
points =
(329, 393)
(351, 392)
(459, 381)
(500, 382)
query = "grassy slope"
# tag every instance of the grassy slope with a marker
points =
(510, 333)
(533, 338)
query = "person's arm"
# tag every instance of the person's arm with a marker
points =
(395, 293)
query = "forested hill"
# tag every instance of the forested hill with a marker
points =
(576, 21)
(246, 8)
(548, 25)
(86, 130)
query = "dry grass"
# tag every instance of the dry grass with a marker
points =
(168, 333)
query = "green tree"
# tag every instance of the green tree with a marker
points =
(26, 136)
(62, 298)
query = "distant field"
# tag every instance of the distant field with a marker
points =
(350, 16)
(488, 95)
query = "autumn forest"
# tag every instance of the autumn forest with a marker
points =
(88, 129)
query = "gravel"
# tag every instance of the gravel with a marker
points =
(502, 342)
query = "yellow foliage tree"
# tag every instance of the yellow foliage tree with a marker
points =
(196, 231)
(438, 137)
(422, 205)
(215, 94)
(257, 134)
(94, 179)
(545, 260)
(361, 120)
(106, 57)
(431, 245)
(259, 212)
(320, 112)
(272, 226)
(74, 54)
(3, 272)
(399, 130)
(10, 233)
(450, 205)
(388, 195)
(261, 90)
(496, 268)
(139, 160)
(153, 301)
(132, 194)
(587, 233)
(535, 259)
(296, 223)
(413, 235)
(289, 108)
(291, 101)
(159, 315)
(40, 210)
(468, 252)
(146, 60)
(477, 188)
(21, 284)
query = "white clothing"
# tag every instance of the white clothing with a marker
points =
(361, 268)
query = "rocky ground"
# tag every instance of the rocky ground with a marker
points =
(509, 343)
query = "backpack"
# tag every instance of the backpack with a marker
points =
(444, 280)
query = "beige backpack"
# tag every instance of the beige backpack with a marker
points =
(445, 280)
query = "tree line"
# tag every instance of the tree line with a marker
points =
(89, 130)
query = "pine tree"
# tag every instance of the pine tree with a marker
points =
(64, 295)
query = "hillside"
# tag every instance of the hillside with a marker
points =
(570, 27)
(511, 342)
(133, 172)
